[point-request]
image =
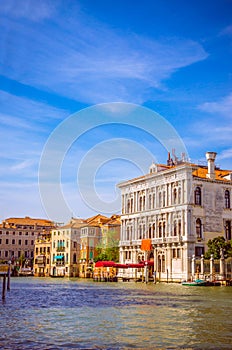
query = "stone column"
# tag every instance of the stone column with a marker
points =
(169, 259)
(211, 267)
(202, 265)
(222, 264)
(193, 269)
(155, 259)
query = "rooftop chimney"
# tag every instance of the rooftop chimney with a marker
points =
(210, 156)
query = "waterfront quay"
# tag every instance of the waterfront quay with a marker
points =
(81, 314)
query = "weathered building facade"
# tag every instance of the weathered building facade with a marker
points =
(99, 230)
(178, 207)
(42, 255)
(18, 235)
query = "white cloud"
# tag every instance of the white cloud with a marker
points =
(226, 31)
(225, 154)
(25, 164)
(86, 60)
(29, 9)
(222, 107)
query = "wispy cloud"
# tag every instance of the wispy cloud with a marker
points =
(29, 9)
(225, 154)
(226, 31)
(86, 60)
(222, 107)
(24, 114)
(25, 164)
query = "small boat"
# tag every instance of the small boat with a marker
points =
(195, 283)
(57, 276)
(25, 272)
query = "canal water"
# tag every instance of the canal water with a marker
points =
(80, 314)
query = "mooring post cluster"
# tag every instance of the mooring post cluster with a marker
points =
(5, 271)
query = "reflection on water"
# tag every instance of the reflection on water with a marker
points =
(79, 314)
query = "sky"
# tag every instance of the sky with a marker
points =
(79, 81)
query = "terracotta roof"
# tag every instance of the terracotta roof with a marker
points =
(201, 172)
(28, 221)
(198, 171)
(97, 219)
(114, 220)
(73, 223)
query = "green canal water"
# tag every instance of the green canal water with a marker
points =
(80, 314)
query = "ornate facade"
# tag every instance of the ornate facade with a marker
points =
(178, 207)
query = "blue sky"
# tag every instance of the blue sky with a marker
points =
(58, 57)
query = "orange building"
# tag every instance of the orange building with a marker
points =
(92, 234)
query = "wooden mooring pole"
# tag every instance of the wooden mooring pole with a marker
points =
(4, 273)
(4, 287)
(8, 276)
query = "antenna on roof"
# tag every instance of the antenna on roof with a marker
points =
(170, 160)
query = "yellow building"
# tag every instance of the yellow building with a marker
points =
(65, 249)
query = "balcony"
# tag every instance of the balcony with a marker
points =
(41, 265)
(60, 249)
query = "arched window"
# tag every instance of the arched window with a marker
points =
(160, 199)
(197, 196)
(174, 196)
(127, 233)
(154, 200)
(228, 230)
(199, 228)
(175, 229)
(153, 230)
(164, 195)
(150, 201)
(160, 230)
(227, 199)
(179, 227)
(140, 203)
(164, 229)
(143, 203)
(179, 195)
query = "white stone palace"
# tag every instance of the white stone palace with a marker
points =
(178, 207)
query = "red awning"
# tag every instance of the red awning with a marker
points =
(135, 265)
(105, 264)
(123, 266)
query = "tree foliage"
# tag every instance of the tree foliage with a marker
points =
(108, 248)
(217, 244)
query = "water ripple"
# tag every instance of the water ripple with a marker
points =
(76, 314)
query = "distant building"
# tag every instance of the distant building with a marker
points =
(65, 249)
(17, 238)
(173, 211)
(111, 231)
(42, 255)
(90, 237)
(97, 230)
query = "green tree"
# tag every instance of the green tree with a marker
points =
(21, 260)
(108, 248)
(216, 244)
